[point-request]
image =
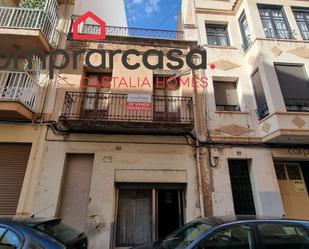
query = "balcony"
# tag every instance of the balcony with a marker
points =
(93, 29)
(262, 111)
(30, 29)
(247, 41)
(109, 112)
(291, 127)
(19, 94)
(297, 105)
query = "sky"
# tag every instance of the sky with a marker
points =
(152, 14)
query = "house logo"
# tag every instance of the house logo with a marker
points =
(101, 35)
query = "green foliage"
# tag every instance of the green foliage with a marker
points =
(33, 4)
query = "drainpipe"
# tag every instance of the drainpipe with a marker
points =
(197, 150)
(200, 188)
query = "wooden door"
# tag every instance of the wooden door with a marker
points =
(75, 191)
(293, 190)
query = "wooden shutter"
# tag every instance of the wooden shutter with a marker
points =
(13, 164)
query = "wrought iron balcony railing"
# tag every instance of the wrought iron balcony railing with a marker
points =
(85, 106)
(305, 35)
(229, 108)
(262, 111)
(44, 20)
(297, 105)
(19, 86)
(247, 41)
(280, 33)
(93, 29)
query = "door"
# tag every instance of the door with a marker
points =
(167, 102)
(293, 189)
(146, 213)
(241, 187)
(13, 163)
(169, 208)
(76, 190)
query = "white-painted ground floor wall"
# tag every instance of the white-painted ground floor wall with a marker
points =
(155, 160)
(117, 159)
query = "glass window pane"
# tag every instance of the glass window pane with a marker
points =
(239, 237)
(217, 35)
(11, 238)
(279, 236)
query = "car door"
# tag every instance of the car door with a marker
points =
(238, 236)
(282, 235)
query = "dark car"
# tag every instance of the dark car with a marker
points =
(39, 233)
(239, 232)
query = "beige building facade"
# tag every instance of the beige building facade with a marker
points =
(256, 103)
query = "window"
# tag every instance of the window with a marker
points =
(274, 22)
(262, 107)
(245, 32)
(184, 236)
(217, 35)
(294, 84)
(281, 236)
(10, 238)
(167, 103)
(238, 237)
(302, 19)
(226, 96)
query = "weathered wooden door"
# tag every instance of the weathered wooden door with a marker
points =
(75, 191)
(293, 190)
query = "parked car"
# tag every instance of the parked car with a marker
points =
(240, 232)
(38, 233)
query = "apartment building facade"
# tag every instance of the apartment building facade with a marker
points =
(120, 155)
(26, 95)
(256, 103)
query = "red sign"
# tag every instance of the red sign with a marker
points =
(83, 18)
(139, 102)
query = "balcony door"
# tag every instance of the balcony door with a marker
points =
(167, 99)
(96, 96)
(292, 182)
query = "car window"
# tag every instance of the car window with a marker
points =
(281, 236)
(237, 237)
(2, 231)
(59, 231)
(184, 236)
(10, 238)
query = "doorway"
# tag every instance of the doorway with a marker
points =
(293, 178)
(169, 209)
(146, 213)
(305, 170)
(76, 190)
(241, 187)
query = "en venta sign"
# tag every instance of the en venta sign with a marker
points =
(139, 102)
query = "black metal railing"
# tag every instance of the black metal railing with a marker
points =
(297, 105)
(247, 41)
(229, 108)
(305, 35)
(114, 107)
(262, 111)
(93, 29)
(280, 33)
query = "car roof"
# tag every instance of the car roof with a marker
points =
(29, 221)
(221, 220)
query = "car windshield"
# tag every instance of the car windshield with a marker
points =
(59, 231)
(184, 236)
